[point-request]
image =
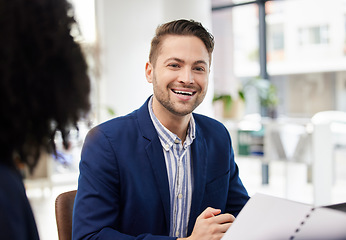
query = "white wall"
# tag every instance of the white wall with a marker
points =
(125, 29)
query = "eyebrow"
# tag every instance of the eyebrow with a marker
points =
(201, 62)
(182, 61)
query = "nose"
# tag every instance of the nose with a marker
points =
(186, 76)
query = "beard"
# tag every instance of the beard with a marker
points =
(176, 107)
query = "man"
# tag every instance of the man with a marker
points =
(162, 172)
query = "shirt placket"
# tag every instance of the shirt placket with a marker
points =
(179, 194)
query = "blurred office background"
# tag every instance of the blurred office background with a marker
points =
(286, 57)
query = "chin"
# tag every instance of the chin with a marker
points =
(181, 111)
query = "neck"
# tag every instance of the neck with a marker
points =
(174, 123)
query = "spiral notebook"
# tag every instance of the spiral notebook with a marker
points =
(266, 217)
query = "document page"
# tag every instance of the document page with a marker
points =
(323, 224)
(267, 218)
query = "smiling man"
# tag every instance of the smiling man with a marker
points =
(162, 172)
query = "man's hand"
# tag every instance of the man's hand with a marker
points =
(210, 225)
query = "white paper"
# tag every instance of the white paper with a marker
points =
(323, 224)
(270, 218)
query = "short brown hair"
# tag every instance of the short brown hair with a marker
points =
(181, 27)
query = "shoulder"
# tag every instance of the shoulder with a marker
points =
(119, 122)
(207, 124)
(212, 131)
(138, 120)
(16, 218)
(11, 182)
(118, 127)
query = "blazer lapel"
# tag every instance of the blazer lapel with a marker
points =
(156, 158)
(199, 163)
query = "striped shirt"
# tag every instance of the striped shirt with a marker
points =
(179, 170)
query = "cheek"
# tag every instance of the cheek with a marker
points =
(164, 76)
(169, 75)
(203, 83)
(206, 84)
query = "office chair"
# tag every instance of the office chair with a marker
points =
(63, 214)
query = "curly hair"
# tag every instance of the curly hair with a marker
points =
(44, 83)
(180, 27)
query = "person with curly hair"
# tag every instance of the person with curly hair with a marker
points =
(44, 88)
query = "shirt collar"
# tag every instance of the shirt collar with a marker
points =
(168, 138)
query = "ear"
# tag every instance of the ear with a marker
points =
(149, 72)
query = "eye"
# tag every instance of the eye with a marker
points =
(173, 65)
(199, 69)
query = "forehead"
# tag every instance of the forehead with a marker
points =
(183, 47)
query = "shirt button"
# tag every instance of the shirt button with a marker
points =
(176, 140)
(180, 196)
(176, 233)
(167, 146)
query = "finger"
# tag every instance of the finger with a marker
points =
(220, 228)
(210, 212)
(224, 218)
(224, 227)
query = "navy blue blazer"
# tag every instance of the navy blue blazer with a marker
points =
(123, 190)
(16, 218)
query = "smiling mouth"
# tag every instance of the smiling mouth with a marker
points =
(183, 93)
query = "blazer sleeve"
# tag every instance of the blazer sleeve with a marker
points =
(237, 194)
(96, 212)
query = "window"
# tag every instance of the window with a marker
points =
(305, 50)
(276, 44)
(278, 40)
(314, 35)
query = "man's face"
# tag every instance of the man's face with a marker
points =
(180, 75)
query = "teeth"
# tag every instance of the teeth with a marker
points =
(183, 93)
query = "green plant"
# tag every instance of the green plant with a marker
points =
(227, 99)
(266, 91)
(267, 94)
(269, 98)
